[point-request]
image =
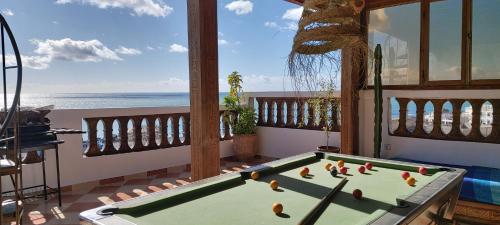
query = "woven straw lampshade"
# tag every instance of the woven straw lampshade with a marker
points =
(325, 27)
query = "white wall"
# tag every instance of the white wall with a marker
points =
(283, 142)
(452, 152)
(75, 168)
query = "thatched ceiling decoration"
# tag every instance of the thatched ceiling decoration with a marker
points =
(325, 27)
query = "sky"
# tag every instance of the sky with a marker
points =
(98, 46)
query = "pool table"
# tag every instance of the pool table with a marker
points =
(236, 198)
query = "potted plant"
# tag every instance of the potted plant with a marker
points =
(244, 124)
(320, 102)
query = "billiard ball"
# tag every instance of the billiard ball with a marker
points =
(277, 208)
(368, 166)
(422, 170)
(327, 166)
(306, 169)
(357, 194)
(343, 170)
(361, 169)
(340, 163)
(303, 173)
(274, 184)
(411, 181)
(405, 175)
(333, 171)
(254, 175)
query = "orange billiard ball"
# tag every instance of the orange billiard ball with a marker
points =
(328, 166)
(411, 181)
(277, 208)
(274, 184)
(340, 163)
(254, 175)
(304, 172)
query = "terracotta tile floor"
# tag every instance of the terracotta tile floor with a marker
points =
(95, 194)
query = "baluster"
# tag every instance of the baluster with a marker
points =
(475, 133)
(270, 112)
(187, 129)
(289, 112)
(93, 150)
(108, 136)
(151, 131)
(175, 131)
(335, 121)
(138, 146)
(495, 125)
(123, 120)
(323, 114)
(310, 115)
(279, 113)
(227, 131)
(455, 127)
(262, 110)
(164, 130)
(300, 114)
(403, 108)
(419, 123)
(437, 130)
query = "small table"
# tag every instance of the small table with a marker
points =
(41, 139)
(237, 199)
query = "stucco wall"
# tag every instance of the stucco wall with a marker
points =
(75, 168)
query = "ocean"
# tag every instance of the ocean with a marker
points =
(107, 100)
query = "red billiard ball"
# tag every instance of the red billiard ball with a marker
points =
(343, 170)
(422, 170)
(405, 175)
(368, 166)
(306, 170)
(357, 194)
(361, 169)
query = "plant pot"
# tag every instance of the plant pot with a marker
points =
(333, 149)
(245, 146)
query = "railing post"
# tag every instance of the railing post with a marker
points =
(279, 113)
(455, 127)
(93, 149)
(419, 123)
(108, 136)
(124, 147)
(403, 109)
(138, 146)
(262, 110)
(437, 130)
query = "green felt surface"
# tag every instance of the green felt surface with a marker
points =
(249, 201)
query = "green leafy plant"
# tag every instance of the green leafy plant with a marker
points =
(245, 121)
(324, 101)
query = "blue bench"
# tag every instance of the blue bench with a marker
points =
(481, 184)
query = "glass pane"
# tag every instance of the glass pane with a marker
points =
(486, 40)
(397, 29)
(445, 38)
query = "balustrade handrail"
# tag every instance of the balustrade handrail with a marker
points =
(433, 127)
(108, 148)
(297, 112)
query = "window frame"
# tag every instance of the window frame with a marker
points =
(466, 81)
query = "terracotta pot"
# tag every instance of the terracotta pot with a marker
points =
(333, 149)
(245, 146)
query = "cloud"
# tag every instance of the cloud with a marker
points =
(7, 12)
(240, 7)
(222, 42)
(128, 51)
(177, 48)
(74, 50)
(150, 48)
(155, 8)
(271, 24)
(32, 62)
(293, 14)
(379, 20)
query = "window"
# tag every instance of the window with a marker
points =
(486, 40)
(445, 40)
(400, 40)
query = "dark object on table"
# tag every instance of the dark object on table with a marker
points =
(332, 149)
(333, 171)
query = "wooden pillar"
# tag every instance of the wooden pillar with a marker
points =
(349, 103)
(204, 88)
